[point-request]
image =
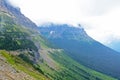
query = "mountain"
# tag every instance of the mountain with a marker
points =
(114, 45)
(82, 48)
(26, 55)
(18, 17)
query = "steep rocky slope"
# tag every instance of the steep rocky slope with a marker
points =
(18, 17)
(7, 72)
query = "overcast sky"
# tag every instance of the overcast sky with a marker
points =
(100, 18)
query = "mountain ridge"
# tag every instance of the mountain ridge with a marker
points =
(84, 49)
(19, 18)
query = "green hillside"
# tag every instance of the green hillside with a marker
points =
(82, 48)
(13, 36)
(25, 51)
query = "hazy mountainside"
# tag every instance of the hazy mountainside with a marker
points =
(115, 44)
(82, 48)
(26, 55)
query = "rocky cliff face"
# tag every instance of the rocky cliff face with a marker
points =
(64, 31)
(19, 18)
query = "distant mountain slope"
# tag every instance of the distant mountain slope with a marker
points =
(82, 48)
(115, 44)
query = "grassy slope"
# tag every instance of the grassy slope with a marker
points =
(65, 67)
(68, 68)
(14, 37)
(21, 65)
(77, 71)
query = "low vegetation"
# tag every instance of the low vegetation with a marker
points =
(23, 41)
(21, 65)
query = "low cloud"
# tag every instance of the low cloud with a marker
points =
(100, 18)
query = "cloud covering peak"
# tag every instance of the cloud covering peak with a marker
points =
(100, 18)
